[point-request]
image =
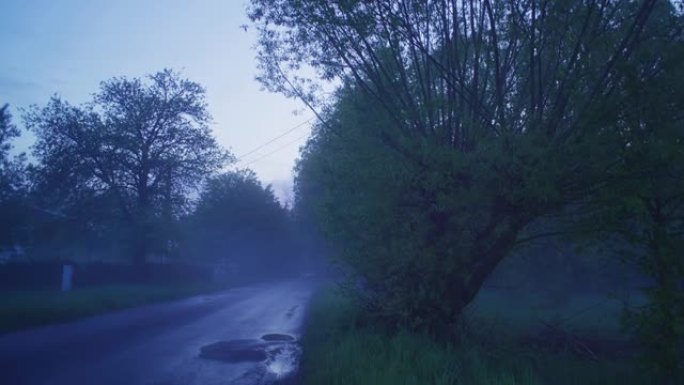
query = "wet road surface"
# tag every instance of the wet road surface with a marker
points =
(158, 344)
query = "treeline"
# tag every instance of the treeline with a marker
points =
(463, 131)
(134, 176)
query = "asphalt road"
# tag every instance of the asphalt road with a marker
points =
(157, 344)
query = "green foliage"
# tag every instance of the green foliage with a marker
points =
(423, 236)
(234, 217)
(448, 138)
(641, 204)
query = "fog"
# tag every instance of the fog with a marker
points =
(467, 192)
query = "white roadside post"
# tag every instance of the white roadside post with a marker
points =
(67, 275)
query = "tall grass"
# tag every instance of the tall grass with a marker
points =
(338, 349)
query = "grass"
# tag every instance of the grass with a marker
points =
(31, 308)
(337, 350)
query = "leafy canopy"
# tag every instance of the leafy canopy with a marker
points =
(458, 124)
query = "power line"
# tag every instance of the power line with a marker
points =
(273, 152)
(259, 147)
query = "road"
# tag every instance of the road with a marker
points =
(157, 344)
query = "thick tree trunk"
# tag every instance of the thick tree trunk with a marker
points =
(142, 226)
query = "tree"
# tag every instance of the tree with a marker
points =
(238, 221)
(144, 143)
(8, 174)
(12, 181)
(8, 131)
(641, 204)
(488, 116)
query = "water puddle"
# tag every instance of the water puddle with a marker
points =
(277, 337)
(277, 354)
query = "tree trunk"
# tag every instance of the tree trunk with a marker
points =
(142, 218)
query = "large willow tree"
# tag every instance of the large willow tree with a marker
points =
(458, 124)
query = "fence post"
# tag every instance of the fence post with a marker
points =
(67, 275)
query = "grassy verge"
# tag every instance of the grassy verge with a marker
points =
(339, 351)
(25, 309)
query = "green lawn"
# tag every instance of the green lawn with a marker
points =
(339, 351)
(25, 309)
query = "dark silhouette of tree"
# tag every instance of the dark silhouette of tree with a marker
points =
(12, 182)
(144, 142)
(8, 131)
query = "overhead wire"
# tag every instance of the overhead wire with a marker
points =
(272, 152)
(242, 162)
(259, 147)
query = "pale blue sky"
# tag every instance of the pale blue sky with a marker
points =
(69, 46)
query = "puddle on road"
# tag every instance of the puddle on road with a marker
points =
(276, 337)
(278, 355)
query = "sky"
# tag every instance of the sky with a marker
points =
(67, 47)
